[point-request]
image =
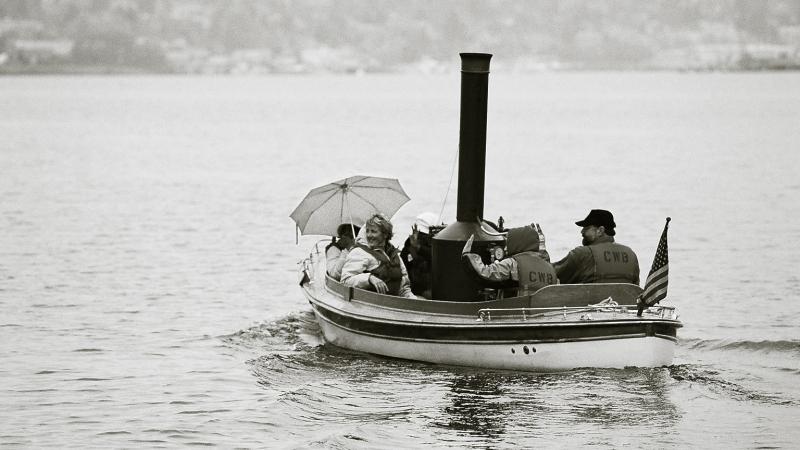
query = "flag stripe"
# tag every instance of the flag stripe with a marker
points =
(661, 293)
(658, 273)
(653, 292)
(657, 279)
(652, 284)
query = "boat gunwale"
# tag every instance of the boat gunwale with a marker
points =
(321, 316)
(474, 322)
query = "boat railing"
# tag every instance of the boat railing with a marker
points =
(307, 261)
(317, 244)
(607, 306)
(306, 266)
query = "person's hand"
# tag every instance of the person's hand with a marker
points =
(379, 285)
(414, 238)
(468, 245)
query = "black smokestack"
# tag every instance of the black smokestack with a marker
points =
(449, 280)
(472, 135)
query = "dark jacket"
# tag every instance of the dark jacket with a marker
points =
(603, 261)
(418, 263)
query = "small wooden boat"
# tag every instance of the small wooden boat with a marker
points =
(559, 327)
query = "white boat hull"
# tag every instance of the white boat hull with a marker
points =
(639, 351)
(558, 328)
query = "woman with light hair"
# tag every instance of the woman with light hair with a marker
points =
(376, 265)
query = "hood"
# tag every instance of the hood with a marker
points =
(522, 239)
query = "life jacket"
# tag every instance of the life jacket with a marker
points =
(614, 263)
(534, 272)
(389, 269)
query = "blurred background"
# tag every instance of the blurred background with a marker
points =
(350, 36)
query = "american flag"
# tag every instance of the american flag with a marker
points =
(655, 288)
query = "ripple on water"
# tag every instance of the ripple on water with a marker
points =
(715, 383)
(284, 333)
(790, 347)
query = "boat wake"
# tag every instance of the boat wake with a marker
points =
(291, 351)
(295, 332)
(786, 347)
(716, 385)
(745, 370)
(766, 355)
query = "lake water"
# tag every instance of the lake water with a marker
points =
(148, 263)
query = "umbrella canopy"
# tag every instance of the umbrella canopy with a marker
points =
(352, 200)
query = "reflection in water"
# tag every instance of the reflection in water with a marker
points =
(476, 405)
(491, 405)
(655, 397)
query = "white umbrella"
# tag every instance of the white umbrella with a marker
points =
(352, 200)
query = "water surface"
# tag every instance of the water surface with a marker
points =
(147, 260)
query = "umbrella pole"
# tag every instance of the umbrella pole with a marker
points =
(350, 215)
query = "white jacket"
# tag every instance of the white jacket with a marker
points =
(359, 263)
(335, 261)
(497, 271)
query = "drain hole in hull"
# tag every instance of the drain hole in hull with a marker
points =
(526, 349)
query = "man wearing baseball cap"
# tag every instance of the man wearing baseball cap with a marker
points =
(599, 259)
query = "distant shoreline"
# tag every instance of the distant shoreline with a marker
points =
(301, 74)
(115, 70)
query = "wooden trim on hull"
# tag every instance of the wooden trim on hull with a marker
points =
(496, 333)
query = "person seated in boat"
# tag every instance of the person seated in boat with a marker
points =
(600, 259)
(526, 263)
(416, 254)
(336, 252)
(376, 265)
